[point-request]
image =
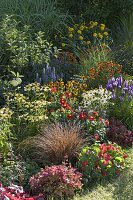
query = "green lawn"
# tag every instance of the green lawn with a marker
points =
(118, 189)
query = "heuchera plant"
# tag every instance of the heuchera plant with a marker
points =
(119, 133)
(100, 160)
(56, 181)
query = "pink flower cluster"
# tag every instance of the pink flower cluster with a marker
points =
(57, 180)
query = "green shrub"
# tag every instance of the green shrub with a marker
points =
(29, 109)
(14, 169)
(5, 130)
(22, 52)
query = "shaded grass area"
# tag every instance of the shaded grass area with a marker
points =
(116, 189)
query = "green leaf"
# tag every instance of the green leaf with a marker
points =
(19, 80)
(14, 83)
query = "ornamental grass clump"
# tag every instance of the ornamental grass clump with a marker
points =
(56, 181)
(100, 160)
(54, 143)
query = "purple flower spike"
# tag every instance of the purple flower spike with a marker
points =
(125, 84)
(115, 84)
(112, 80)
(109, 87)
(120, 80)
(121, 98)
(113, 95)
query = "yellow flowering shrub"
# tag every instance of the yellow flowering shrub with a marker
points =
(83, 34)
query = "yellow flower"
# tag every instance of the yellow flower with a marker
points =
(102, 27)
(82, 28)
(63, 44)
(91, 22)
(88, 42)
(103, 45)
(94, 34)
(71, 29)
(79, 31)
(100, 35)
(95, 23)
(106, 33)
(81, 37)
(70, 35)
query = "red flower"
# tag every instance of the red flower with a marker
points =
(95, 113)
(65, 105)
(105, 162)
(54, 89)
(100, 119)
(51, 110)
(125, 156)
(96, 136)
(85, 163)
(107, 122)
(96, 164)
(103, 173)
(68, 94)
(100, 155)
(82, 116)
(91, 118)
(70, 116)
(62, 101)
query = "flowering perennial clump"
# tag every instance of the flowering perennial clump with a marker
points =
(97, 99)
(102, 160)
(102, 71)
(85, 34)
(120, 89)
(56, 181)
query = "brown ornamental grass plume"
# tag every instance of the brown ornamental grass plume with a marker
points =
(54, 143)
